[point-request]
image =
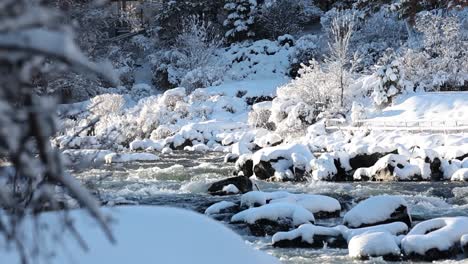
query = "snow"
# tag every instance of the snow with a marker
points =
(147, 144)
(275, 212)
(395, 228)
(230, 189)
(299, 152)
(306, 232)
(449, 231)
(312, 202)
(218, 207)
(86, 155)
(438, 108)
(460, 175)
(129, 157)
(373, 210)
(373, 245)
(144, 235)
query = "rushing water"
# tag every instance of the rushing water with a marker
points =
(181, 180)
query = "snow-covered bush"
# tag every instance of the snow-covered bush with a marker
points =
(260, 116)
(242, 14)
(106, 103)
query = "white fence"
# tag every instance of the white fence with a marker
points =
(446, 126)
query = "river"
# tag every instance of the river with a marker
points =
(181, 180)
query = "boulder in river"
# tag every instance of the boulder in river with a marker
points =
(435, 239)
(374, 244)
(464, 244)
(377, 210)
(263, 170)
(242, 183)
(272, 218)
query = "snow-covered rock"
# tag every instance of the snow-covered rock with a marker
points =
(221, 207)
(464, 244)
(233, 185)
(374, 244)
(294, 158)
(320, 205)
(395, 228)
(144, 235)
(129, 157)
(378, 210)
(391, 167)
(309, 235)
(460, 175)
(271, 218)
(434, 239)
(147, 144)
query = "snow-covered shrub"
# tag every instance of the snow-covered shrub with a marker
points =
(260, 116)
(104, 104)
(242, 14)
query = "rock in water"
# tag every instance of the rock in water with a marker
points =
(435, 239)
(378, 210)
(242, 183)
(272, 218)
(263, 170)
(374, 244)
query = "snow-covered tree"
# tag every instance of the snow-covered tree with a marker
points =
(389, 84)
(437, 61)
(342, 27)
(242, 15)
(31, 34)
(191, 61)
(280, 17)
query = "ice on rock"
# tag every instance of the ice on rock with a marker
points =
(460, 175)
(439, 236)
(219, 207)
(259, 198)
(378, 210)
(275, 212)
(374, 244)
(129, 157)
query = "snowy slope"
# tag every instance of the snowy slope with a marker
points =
(435, 107)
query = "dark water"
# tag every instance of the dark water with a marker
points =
(181, 180)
